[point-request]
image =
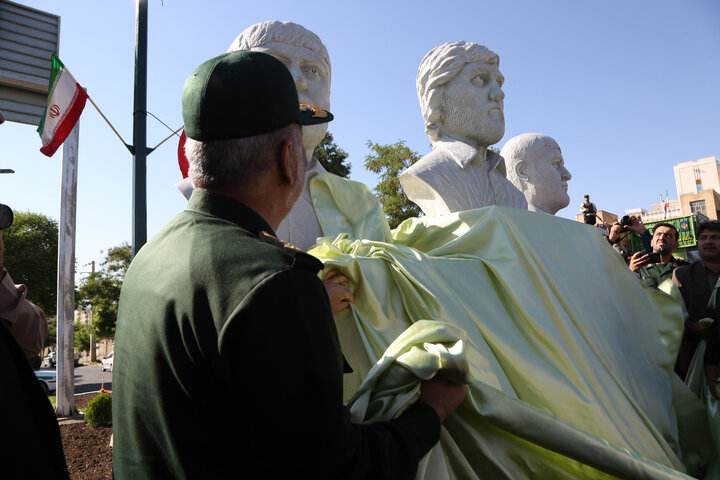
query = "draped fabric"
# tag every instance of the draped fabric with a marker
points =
(570, 357)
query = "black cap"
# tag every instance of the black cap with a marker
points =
(241, 94)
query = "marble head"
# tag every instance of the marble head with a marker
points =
(536, 167)
(459, 86)
(304, 54)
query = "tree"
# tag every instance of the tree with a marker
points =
(332, 157)
(389, 161)
(100, 291)
(51, 337)
(82, 337)
(31, 256)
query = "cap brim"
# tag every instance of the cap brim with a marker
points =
(309, 114)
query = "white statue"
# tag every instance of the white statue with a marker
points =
(304, 54)
(536, 167)
(306, 57)
(459, 87)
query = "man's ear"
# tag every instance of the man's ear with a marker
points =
(288, 164)
(521, 170)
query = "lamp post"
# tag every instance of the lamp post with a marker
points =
(6, 170)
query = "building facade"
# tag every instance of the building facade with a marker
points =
(698, 186)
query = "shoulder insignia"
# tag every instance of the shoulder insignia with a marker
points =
(302, 259)
(273, 240)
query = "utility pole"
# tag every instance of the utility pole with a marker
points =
(139, 227)
(93, 354)
(65, 397)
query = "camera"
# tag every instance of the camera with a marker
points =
(653, 258)
(625, 221)
(6, 217)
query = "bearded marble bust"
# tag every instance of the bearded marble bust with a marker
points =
(459, 86)
(535, 165)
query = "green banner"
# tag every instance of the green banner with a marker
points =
(685, 226)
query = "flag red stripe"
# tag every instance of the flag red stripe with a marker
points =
(65, 127)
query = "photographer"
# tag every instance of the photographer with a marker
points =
(653, 268)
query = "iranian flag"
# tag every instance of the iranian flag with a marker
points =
(66, 100)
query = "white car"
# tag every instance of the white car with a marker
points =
(107, 362)
(47, 379)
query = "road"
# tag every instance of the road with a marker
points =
(89, 378)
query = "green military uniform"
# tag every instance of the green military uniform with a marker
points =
(228, 363)
(654, 274)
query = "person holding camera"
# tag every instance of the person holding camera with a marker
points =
(627, 224)
(655, 267)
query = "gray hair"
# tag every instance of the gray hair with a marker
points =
(217, 163)
(439, 67)
(290, 33)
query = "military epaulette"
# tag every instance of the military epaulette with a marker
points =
(282, 244)
(302, 259)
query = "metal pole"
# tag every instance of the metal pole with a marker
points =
(65, 398)
(139, 228)
(93, 354)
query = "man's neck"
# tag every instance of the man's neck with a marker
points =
(712, 265)
(666, 257)
(482, 150)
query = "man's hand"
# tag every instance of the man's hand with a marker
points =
(443, 396)
(340, 295)
(615, 231)
(638, 260)
(636, 224)
(712, 372)
(700, 329)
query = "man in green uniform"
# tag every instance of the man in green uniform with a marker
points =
(664, 241)
(227, 359)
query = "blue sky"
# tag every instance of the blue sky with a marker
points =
(627, 88)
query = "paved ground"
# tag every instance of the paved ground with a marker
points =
(89, 378)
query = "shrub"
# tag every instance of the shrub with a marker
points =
(99, 410)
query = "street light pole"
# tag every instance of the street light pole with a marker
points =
(139, 226)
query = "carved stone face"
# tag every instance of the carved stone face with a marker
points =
(473, 105)
(547, 178)
(312, 80)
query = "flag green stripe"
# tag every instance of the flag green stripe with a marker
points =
(55, 70)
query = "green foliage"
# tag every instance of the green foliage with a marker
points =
(31, 255)
(99, 410)
(389, 161)
(100, 291)
(51, 337)
(82, 337)
(332, 157)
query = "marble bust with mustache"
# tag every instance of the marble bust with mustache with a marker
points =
(459, 86)
(535, 165)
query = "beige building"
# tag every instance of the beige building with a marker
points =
(698, 186)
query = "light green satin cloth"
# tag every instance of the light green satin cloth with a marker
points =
(426, 349)
(571, 358)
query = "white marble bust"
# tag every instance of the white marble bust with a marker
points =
(459, 87)
(306, 57)
(535, 165)
(304, 54)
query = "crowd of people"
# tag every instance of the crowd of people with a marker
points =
(696, 282)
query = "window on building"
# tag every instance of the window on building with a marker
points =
(698, 206)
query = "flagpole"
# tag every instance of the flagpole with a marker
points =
(65, 398)
(139, 225)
